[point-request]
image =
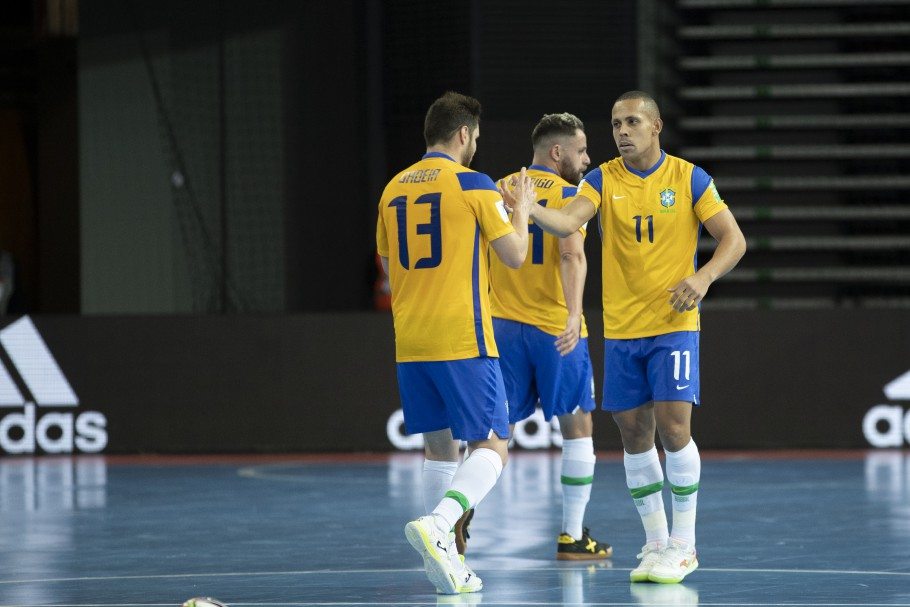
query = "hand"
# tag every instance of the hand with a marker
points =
(568, 339)
(519, 194)
(688, 292)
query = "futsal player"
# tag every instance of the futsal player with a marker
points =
(652, 208)
(541, 331)
(437, 220)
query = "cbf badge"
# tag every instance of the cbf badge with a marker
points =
(667, 200)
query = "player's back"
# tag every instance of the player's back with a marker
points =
(436, 219)
(533, 294)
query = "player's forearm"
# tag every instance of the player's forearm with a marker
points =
(512, 248)
(730, 249)
(555, 221)
(573, 269)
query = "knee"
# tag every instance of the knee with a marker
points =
(674, 437)
(636, 431)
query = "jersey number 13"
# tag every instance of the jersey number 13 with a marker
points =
(433, 229)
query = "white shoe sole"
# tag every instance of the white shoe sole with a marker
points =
(437, 566)
(672, 579)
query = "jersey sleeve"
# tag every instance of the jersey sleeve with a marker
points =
(481, 193)
(569, 192)
(591, 187)
(382, 237)
(706, 199)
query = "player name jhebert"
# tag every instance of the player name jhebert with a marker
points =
(420, 176)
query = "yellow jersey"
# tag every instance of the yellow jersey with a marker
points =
(436, 219)
(650, 222)
(533, 293)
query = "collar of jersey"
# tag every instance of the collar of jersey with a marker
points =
(644, 174)
(437, 155)
(540, 167)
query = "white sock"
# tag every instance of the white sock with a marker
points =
(473, 480)
(577, 475)
(645, 480)
(437, 478)
(683, 473)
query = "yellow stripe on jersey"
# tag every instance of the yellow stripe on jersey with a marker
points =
(436, 219)
(533, 293)
(650, 222)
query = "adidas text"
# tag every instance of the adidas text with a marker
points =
(52, 432)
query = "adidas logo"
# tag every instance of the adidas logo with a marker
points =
(888, 425)
(39, 385)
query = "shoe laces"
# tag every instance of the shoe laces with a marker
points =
(650, 552)
(675, 552)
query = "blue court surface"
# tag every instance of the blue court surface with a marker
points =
(795, 529)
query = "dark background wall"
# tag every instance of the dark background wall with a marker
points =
(208, 187)
(326, 382)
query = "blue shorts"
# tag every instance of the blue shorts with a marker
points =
(467, 396)
(533, 370)
(659, 368)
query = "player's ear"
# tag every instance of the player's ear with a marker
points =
(555, 152)
(658, 126)
(464, 134)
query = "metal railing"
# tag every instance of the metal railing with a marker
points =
(829, 213)
(787, 30)
(818, 243)
(837, 122)
(796, 152)
(846, 183)
(797, 91)
(802, 61)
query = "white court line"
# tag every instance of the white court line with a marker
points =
(466, 601)
(415, 569)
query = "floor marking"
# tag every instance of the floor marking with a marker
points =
(412, 569)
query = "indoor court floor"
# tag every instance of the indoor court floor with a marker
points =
(774, 528)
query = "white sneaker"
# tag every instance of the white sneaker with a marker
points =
(676, 561)
(649, 555)
(434, 546)
(468, 581)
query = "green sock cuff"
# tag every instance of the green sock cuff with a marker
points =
(641, 492)
(460, 498)
(576, 480)
(687, 490)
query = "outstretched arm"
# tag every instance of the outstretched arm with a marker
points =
(565, 221)
(560, 222)
(573, 268)
(731, 246)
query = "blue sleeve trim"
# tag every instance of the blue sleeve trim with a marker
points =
(595, 179)
(700, 182)
(569, 191)
(475, 181)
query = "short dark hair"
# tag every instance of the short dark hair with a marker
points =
(650, 103)
(448, 114)
(551, 125)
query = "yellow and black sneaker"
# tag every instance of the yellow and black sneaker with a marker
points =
(584, 549)
(461, 531)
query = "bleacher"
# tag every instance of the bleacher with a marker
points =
(800, 109)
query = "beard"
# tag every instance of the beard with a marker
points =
(467, 156)
(570, 173)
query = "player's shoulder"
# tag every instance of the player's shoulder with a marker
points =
(470, 180)
(679, 162)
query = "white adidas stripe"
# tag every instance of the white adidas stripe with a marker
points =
(37, 367)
